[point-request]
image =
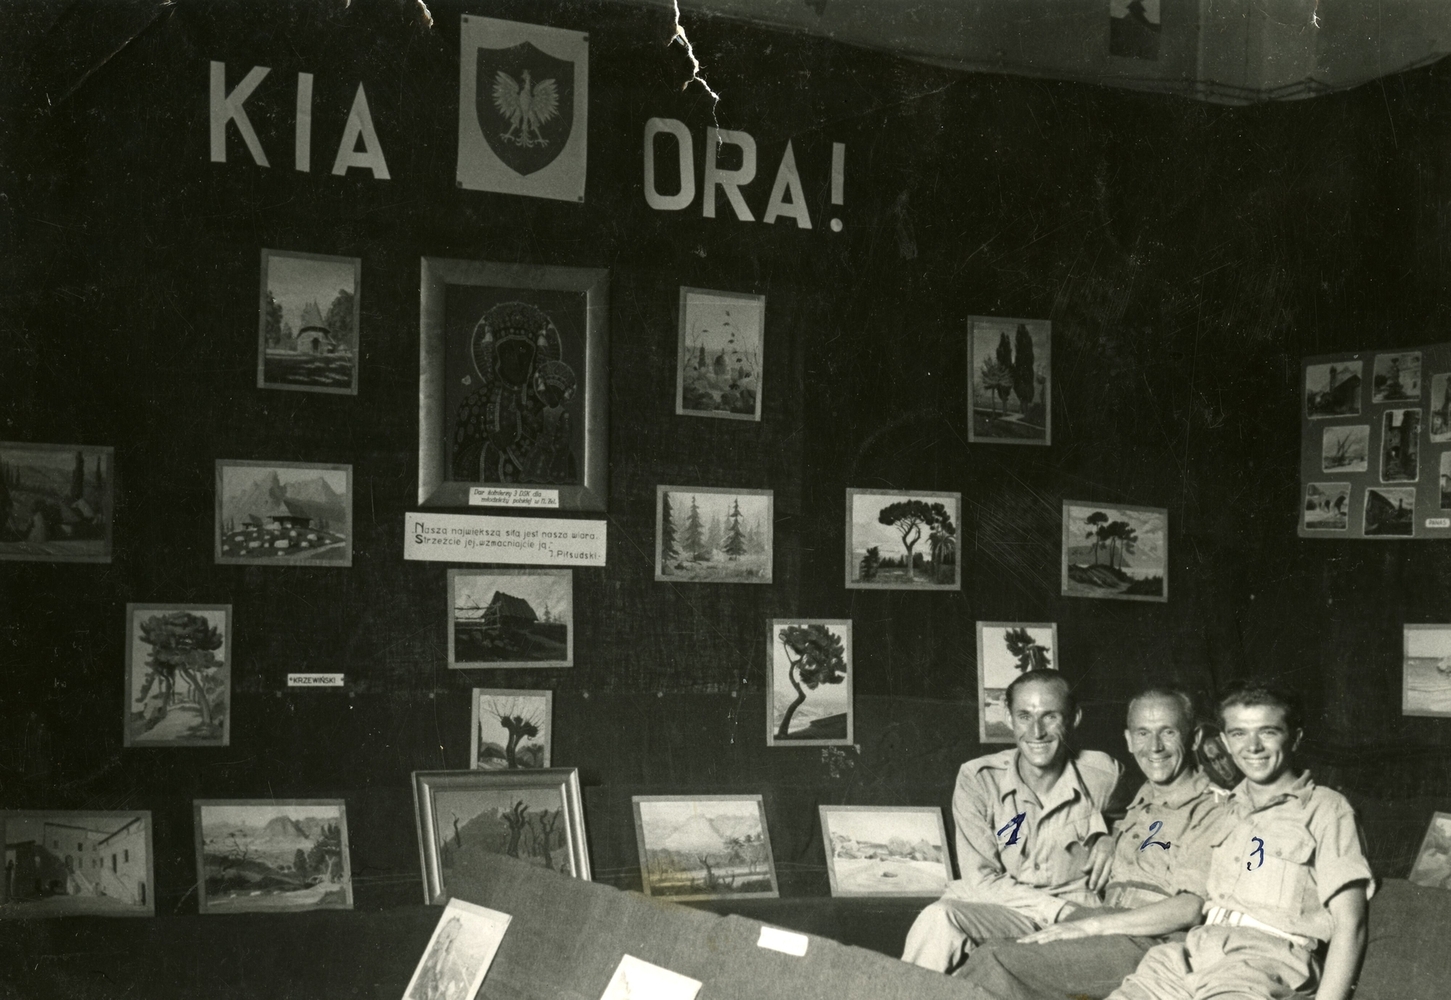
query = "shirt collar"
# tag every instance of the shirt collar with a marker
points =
(1184, 789)
(1300, 791)
(1068, 786)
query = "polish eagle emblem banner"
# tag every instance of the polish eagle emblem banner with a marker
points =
(523, 108)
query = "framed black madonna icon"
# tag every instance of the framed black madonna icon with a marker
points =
(513, 385)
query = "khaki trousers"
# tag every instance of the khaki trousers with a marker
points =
(945, 933)
(1224, 963)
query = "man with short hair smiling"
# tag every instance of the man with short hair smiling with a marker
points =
(1157, 883)
(1031, 840)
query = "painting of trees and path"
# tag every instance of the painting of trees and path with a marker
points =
(1009, 385)
(56, 502)
(178, 669)
(1115, 552)
(902, 540)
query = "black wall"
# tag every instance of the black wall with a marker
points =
(1188, 256)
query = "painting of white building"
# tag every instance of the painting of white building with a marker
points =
(67, 863)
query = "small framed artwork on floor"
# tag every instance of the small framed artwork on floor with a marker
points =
(56, 502)
(1426, 670)
(178, 675)
(718, 359)
(704, 847)
(1432, 867)
(272, 855)
(810, 682)
(708, 534)
(1115, 551)
(1009, 381)
(459, 953)
(77, 863)
(283, 514)
(902, 540)
(886, 850)
(637, 979)
(510, 618)
(1005, 650)
(512, 729)
(307, 330)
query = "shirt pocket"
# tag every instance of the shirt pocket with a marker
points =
(1278, 881)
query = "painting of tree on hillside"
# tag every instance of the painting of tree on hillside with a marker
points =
(902, 540)
(810, 683)
(1115, 552)
(1004, 651)
(56, 502)
(1009, 381)
(178, 675)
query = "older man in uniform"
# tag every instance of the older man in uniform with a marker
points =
(1157, 881)
(1032, 845)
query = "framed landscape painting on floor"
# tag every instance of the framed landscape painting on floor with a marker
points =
(886, 850)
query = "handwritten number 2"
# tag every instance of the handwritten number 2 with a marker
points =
(1015, 824)
(1260, 850)
(1149, 841)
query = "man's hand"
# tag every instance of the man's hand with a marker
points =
(1062, 931)
(1099, 863)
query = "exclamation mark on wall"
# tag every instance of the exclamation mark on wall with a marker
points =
(838, 179)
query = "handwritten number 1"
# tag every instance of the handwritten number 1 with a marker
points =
(1149, 841)
(1015, 824)
(1260, 850)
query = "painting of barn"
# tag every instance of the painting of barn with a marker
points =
(511, 618)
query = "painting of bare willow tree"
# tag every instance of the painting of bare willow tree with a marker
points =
(511, 730)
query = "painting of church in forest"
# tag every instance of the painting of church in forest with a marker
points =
(1009, 382)
(307, 335)
(77, 863)
(56, 502)
(510, 618)
(718, 364)
(705, 534)
(178, 675)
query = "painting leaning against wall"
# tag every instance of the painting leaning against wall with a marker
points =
(272, 855)
(62, 863)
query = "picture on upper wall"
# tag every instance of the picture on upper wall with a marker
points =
(704, 846)
(283, 514)
(510, 618)
(1432, 867)
(272, 855)
(637, 979)
(1005, 650)
(1133, 29)
(1009, 382)
(718, 359)
(64, 863)
(810, 680)
(1440, 409)
(1397, 377)
(1327, 506)
(511, 729)
(1333, 390)
(1400, 446)
(178, 675)
(1426, 670)
(1116, 552)
(902, 540)
(307, 331)
(1345, 448)
(513, 377)
(1390, 512)
(459, 953)
(534, 816)
(56, 502)
(707, 534)
(886, 850)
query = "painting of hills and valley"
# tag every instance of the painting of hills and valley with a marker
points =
(55, 502)
(279, 513)
(511, 618)
(1115, 552)
(704, 847)
(887, 851)
(273, 856)
(529, 824)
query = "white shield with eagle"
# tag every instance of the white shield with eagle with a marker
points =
(523, 108)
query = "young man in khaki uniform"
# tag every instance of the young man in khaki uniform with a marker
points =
(1032, 845)
(1288, 879)
(1157, 883)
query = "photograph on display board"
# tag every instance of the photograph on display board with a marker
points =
(535, 816)
(705, 534)
(1005, 650)
(283, 514)
(459, 953)
(1440, 425)
(885, 850)
(307, 336)
(1432, 867)
(1115, 551)
(272, 855)
(1397, 378)
(511, 729)
(56, 502)
(718, 361)
(1400, 446)
(1009, 384)
(704, 846)
(178, 675)
(1345, 449)
(902, 540)
(810, 681)
(1390, 512)
(1333, 389)
(510, 618)
(1327, 507)
(637, 979)
(1426, 670)
(512, 381)
(62, 864)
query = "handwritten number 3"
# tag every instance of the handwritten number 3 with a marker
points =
(1260, 850)
(1015, 824)
(1149, 841)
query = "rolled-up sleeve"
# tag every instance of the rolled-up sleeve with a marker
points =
(984, 877)
(1339, 856)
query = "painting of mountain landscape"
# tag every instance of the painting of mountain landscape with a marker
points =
(284, 514)
(511, 618)
(1115, 552)
(526, 823)
(886, 850)
(272, 856)
(704, 847)
(56, 502)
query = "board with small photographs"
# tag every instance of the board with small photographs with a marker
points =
(1375, 445)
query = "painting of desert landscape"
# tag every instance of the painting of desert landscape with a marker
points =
(718, 370)
(269, 856)
(1426, 670)
(56, 502)
(284, 514)
(511, 618)
(1433, 862)
(1004, 651)
(77, 863)
(704, 846)
(1115, 552)
(886, 850)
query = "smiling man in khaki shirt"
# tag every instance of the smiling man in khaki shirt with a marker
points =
(1031, 840)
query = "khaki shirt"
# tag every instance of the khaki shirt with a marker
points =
(1194, 815)
(1311, 850)
(1043, 870)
